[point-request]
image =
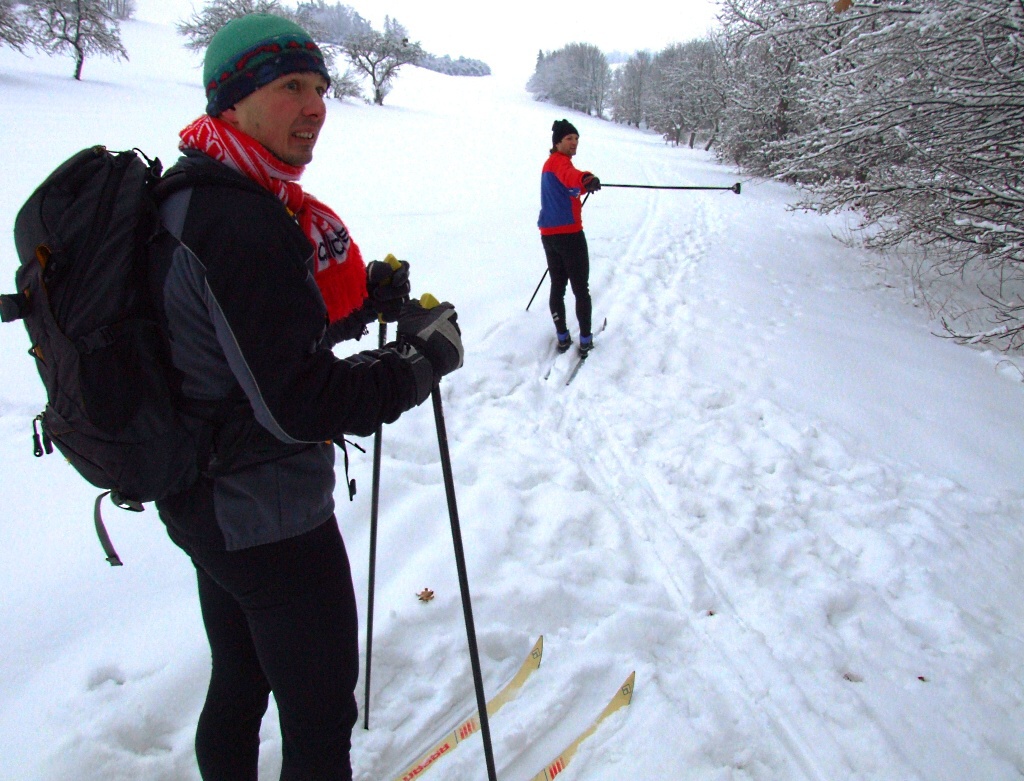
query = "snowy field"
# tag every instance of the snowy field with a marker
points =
(772, 491)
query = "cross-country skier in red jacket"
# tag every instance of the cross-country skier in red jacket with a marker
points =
(561, 232)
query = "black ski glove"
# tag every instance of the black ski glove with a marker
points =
(591, 183)
(352, 326)
(387, 286)
(422, 372)
(433, 329)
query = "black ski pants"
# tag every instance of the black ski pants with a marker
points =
(569, 263)
(280, 618)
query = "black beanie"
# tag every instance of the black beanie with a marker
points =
(560, 130)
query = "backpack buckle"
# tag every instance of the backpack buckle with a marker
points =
(122, 501)
(13, 306)
(97, 340)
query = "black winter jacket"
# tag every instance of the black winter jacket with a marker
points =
(245, 319)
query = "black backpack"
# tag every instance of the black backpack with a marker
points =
(112, 409)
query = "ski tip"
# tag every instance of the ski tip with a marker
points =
(627, 686)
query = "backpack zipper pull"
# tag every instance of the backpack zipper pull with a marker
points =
(40, 445)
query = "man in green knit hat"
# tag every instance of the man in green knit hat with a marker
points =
(253, 292)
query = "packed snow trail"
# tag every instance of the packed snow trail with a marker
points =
(755, 528)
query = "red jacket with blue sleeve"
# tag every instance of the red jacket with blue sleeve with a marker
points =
(560, 187)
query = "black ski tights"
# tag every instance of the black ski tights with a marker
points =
(280, 618)
(569, 263)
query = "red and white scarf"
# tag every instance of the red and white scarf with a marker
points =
(340, 272)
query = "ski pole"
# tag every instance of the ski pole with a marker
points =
(460, 561)
(544, 275)
(382, 336)
(542, 278)
(734, 188)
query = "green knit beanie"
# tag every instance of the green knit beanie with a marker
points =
(250, 52)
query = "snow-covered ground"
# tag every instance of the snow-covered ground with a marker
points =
(771, 491)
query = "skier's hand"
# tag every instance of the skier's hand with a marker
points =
(433, 329)
(591, 183)
(387, 286)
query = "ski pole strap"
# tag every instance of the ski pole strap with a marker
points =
(733, 188)
(119, 500)
(350, 483)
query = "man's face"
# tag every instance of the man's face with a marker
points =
(568, 144)
(285, 115)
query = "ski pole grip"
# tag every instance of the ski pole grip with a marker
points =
(394, 263)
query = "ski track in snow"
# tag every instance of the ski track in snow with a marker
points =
(743, 507)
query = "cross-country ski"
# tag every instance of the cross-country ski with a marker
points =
(471, 725)
(621, 699)
(582, 357)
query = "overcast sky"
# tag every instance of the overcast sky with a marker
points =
(510, 34)
(449, 26)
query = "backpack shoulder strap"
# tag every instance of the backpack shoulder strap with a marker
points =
(181, 180)
(185, 178)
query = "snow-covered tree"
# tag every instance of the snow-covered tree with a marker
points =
(80, 27)
(344, 85)
(379, 55)
(914, 118)
(704, 73)
(597, 76)
(120, 9)
(763, 81)
(679, 91)
(631, 87)
(202, 25)
(13, 31)
(330, 25)
(684, 96)
(666, 106)
(576, 76)
(463, 66)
